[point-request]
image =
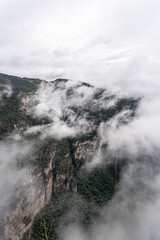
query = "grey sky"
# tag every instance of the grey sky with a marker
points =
(111, 43)
(82, 40)
(107, 43)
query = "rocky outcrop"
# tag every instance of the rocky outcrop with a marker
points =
(33, 194)
(64, 182)
(84, 150)
(25, 102)
(46, 174)
(49, 172)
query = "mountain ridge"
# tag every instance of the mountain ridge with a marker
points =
(56, 163)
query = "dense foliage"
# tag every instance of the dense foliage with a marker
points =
(24, 85)
(11, 113)
(99, 185)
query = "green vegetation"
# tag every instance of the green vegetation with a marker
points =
(63, 162)
(99, 185)
(94, 188)
(42, 153)
(24, 85)
(62, 210)
(11, 114)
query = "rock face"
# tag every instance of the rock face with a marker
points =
(35, 192)
(50, 169)
(84, 150)
(39, 182)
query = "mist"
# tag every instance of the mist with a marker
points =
(6, 92)
(134, 210)
(84, 41)
(13, 149)
(110, 44)
(66, 105)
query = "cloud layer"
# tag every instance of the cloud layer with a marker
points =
(13, 150)
(107, 43)
(86, 41)
(67, 106)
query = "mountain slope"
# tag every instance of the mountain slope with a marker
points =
(59, 123)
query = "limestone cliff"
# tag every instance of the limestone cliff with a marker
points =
(42, 178)
(52, 168)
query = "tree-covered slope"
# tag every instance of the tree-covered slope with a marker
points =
(75, 194)
(24, 85)
(11, 112)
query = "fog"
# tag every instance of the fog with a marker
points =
(112, 44)
(13, 149)
(65, 104)
(91, 41)
(7, 92)
(134, 210)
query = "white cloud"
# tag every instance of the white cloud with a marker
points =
(56, 104)
(76, 40)
(133, 213)
(6, 91)
(10, 173)
(114, 44)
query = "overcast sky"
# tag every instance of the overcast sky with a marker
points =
(111, 43)
(97, 41)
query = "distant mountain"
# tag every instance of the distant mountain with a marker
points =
(18, 83)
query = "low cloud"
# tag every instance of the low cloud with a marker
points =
(55, 104)
(52, 39)
(134, 210)
(131, 137)
(114, 45)
(6, 92)
(13, 150)
(66, 105)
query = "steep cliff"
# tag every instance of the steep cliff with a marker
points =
(79, 204)
(49, 171)
(27, 200)
(55, 180)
